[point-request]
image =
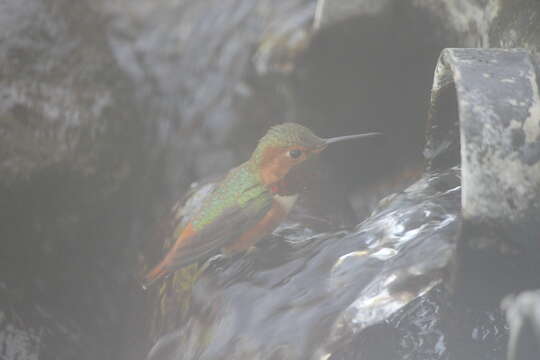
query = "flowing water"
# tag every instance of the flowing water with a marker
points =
(378, 291)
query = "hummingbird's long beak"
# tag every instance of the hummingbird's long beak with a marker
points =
(350, 137)
(347, 137)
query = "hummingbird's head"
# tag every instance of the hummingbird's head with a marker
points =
(287, 145)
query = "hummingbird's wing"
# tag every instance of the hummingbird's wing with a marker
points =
(226, 228)
(234, 207)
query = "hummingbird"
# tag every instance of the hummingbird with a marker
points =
(249, 202)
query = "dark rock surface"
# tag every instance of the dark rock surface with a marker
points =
(69, 143)
(62, 96)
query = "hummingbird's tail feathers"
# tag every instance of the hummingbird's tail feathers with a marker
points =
(164, 267)
(155, 274)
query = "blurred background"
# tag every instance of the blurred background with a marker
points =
(109, 110)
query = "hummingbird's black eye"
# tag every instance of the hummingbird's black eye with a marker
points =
(295, 154)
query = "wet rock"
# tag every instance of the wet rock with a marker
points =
(31, 332)
(70, 141)
(523, 315)
(489, 24)
(59, 100)
(478, 98)
(469, 23)
(245, 307)
(497, 94)
(417, 331)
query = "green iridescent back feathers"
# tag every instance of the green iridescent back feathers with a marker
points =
(239, 186)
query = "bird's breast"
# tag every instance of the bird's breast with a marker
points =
(286, 201)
